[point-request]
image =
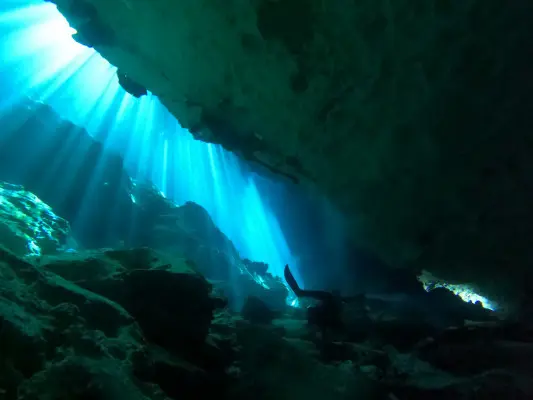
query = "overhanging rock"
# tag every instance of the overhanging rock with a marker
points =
(413, 117)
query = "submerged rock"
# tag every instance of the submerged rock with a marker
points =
(103, 331)
(188, 232)
(64, 340)
(276, 368)
(256, 311)
(153, 291)
(27, 225)
(60, 341)
(56, 160)
(133, 324)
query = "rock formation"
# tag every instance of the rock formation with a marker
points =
(146, 324)
(56, 160)
(27, 225)
(75, 343)
(134, 324)
(67, 169)
(413, 118)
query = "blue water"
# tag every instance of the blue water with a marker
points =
(41, 60)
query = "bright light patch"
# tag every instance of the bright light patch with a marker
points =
(465, 292)
(263, 236)
(40, 59)
(293, 301)
(40, 38)
(54, 30)
(28, 219)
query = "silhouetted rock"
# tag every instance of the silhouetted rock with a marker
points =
(67, 169)
(271, 290)
(256, 267)
(256, 311)
(189, 232)
(130, 86)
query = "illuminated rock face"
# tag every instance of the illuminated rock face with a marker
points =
(414, 119)
(27, 225)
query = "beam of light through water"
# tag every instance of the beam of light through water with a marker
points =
(42, 61)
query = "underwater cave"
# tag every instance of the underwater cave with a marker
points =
(266, 199)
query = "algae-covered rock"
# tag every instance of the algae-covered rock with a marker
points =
(53, 332)
(155, 290)
(273, 367)
(86, 378)
(27, 225)
(130, 324)
(95, 329)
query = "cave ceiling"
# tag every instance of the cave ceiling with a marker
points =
(413, 117)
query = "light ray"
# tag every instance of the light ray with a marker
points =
(42, 61)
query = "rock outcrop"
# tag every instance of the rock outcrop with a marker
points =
(153, 292)
(132, 324)
(144, 324)
(188, 232)
(56, 160)
(27, 225)
(61, 341)
(414, 119)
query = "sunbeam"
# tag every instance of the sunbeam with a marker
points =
(42, 61)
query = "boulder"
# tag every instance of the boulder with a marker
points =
(28, 226)
(116, 324)
(157, 294)
(60, 341)
(256, 311)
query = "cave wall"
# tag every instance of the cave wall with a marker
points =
(414, 118)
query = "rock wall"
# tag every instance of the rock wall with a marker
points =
(413, 118)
